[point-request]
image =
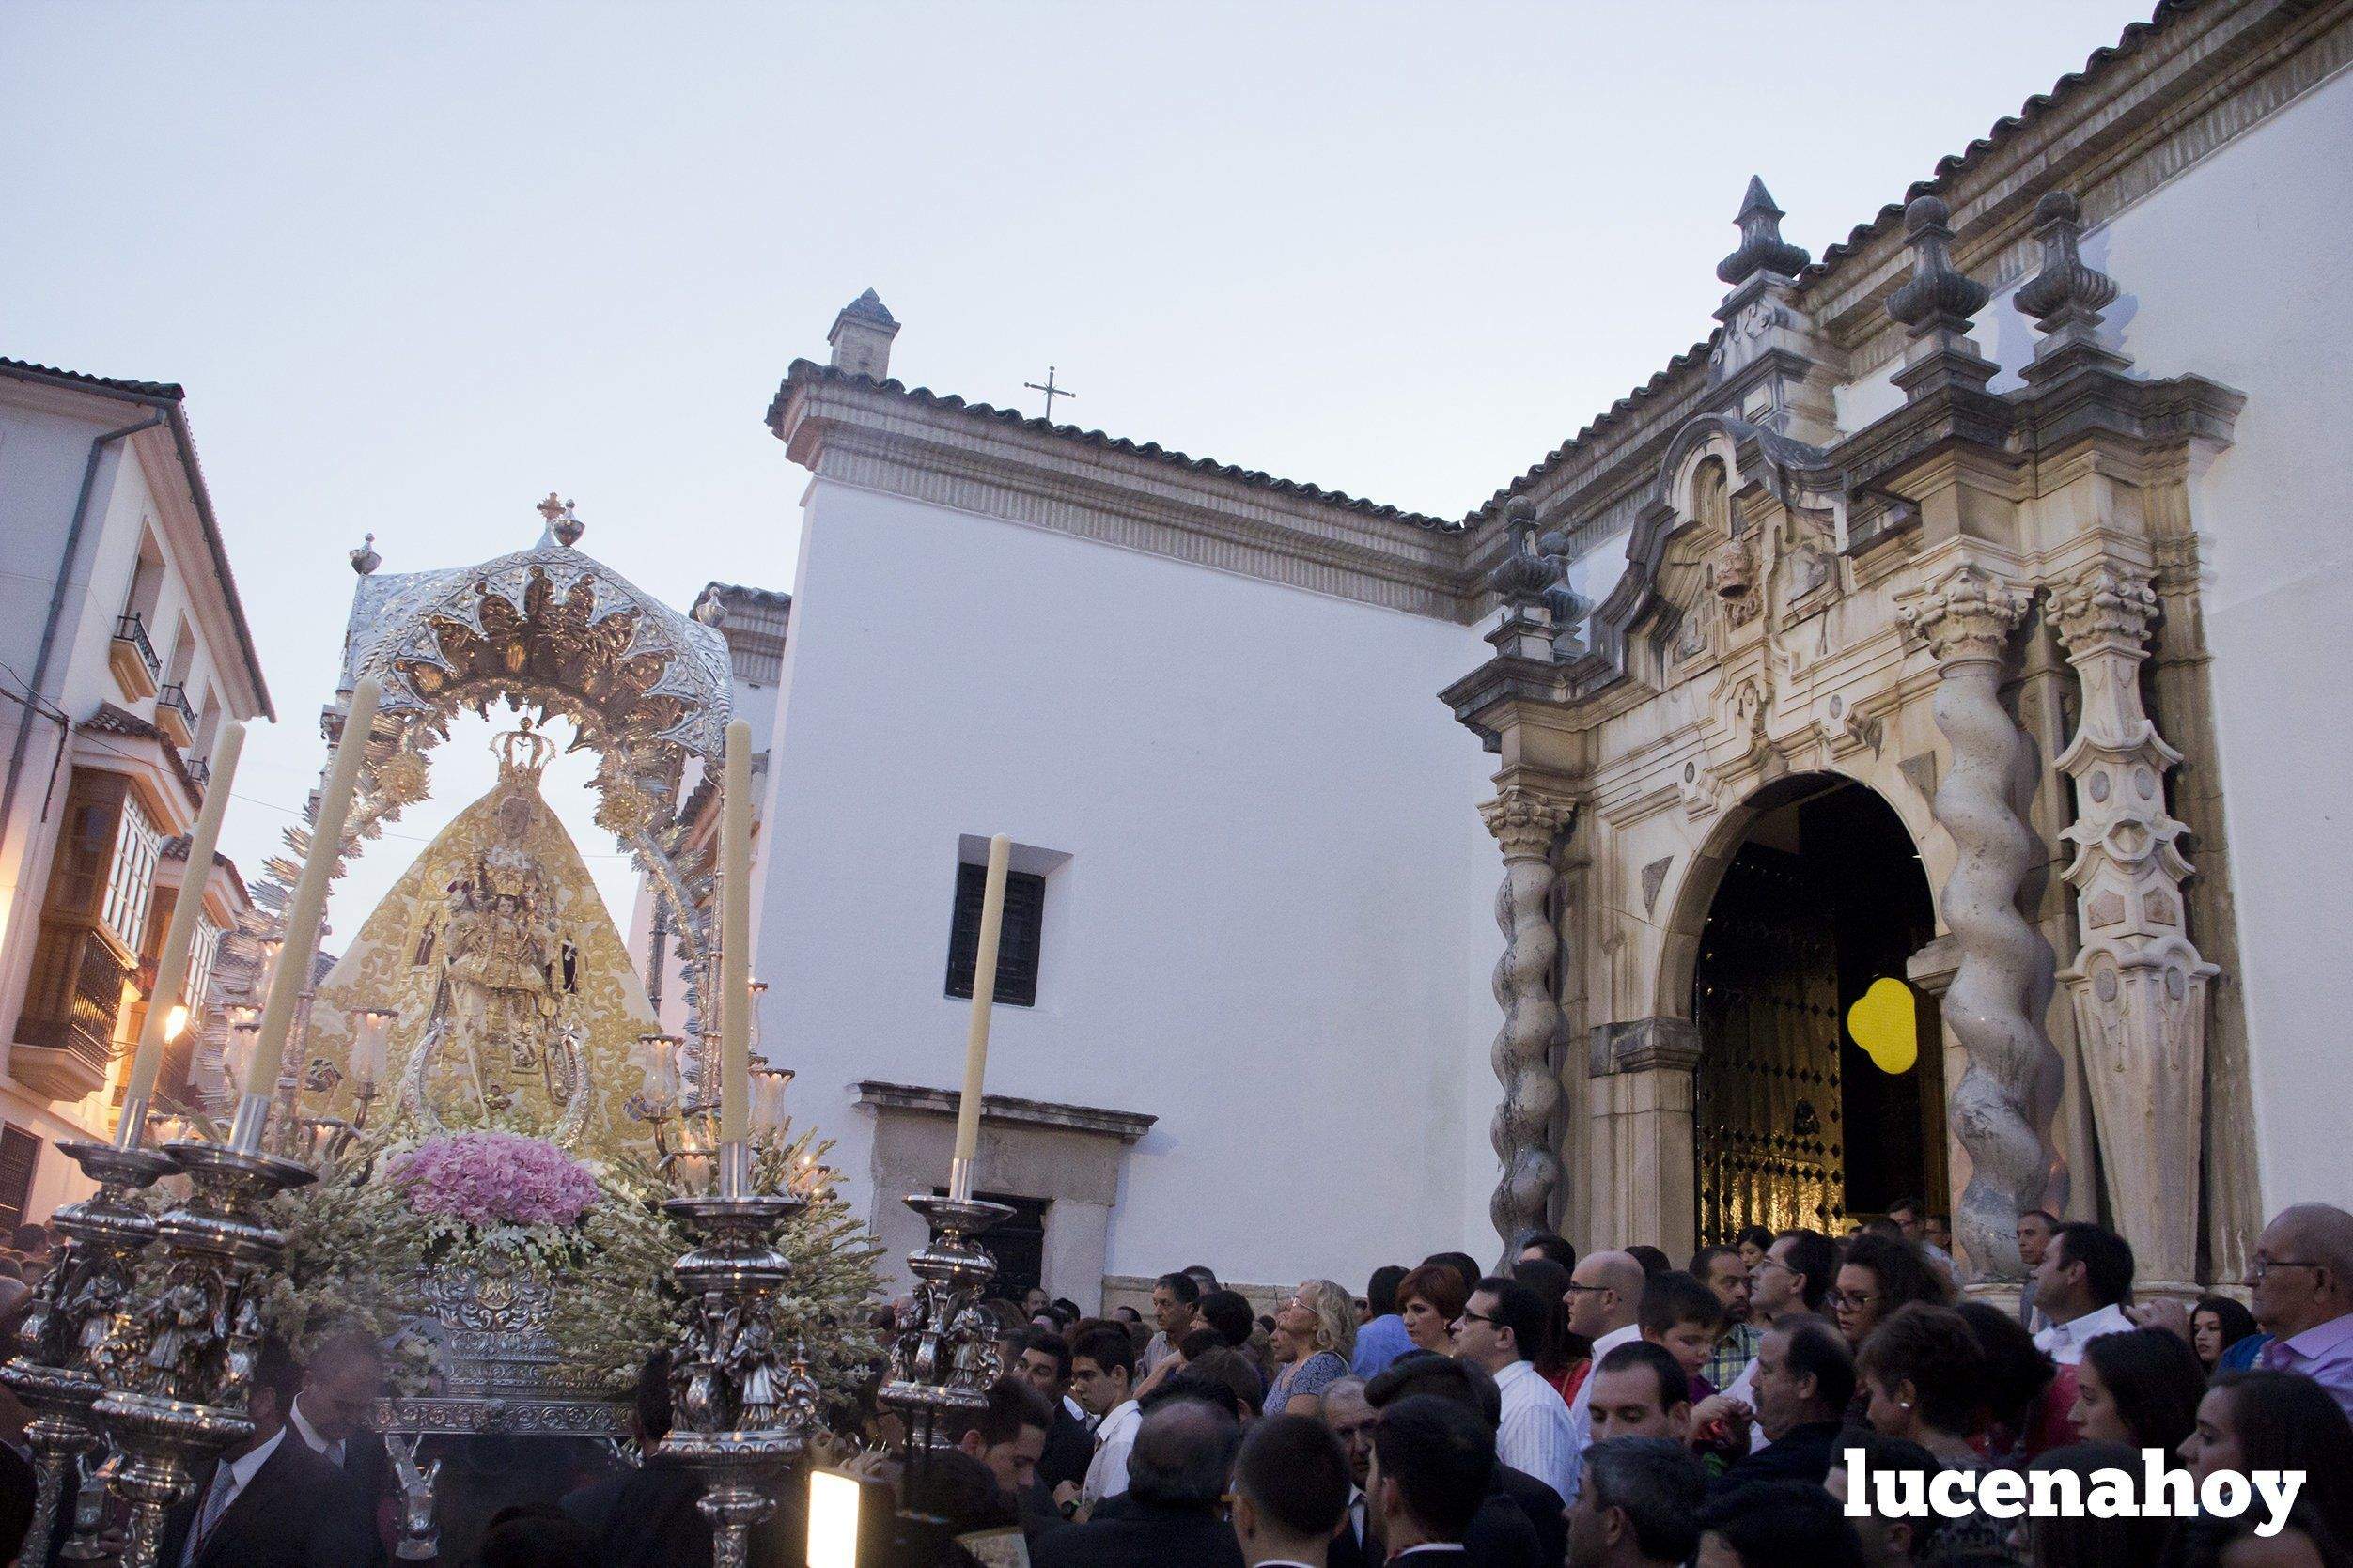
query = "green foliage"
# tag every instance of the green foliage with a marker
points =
(356, 1252)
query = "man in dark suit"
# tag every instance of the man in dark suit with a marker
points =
(645, 1516)
(1806, 1375)
(1045, 1365)
(1432, 1460)
(1518, 1523)
(335, 1415)
(1290, 1493)
(1176, 1475)
(271, 1502)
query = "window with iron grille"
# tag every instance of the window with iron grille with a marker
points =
(1017, 943)
(131, 878)
(20, 1151)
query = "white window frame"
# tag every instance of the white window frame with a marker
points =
(201, 952)
(131, 878)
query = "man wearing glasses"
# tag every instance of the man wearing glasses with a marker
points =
(2302, 1278)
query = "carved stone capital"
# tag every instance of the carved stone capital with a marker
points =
(1643, 1045)
(1526, 822)
(1967, 615)
(2107, 605)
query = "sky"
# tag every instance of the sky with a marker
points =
(417, 265)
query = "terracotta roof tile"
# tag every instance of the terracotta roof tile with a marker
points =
(142, 389)
(2038, 105)
(1952, 165)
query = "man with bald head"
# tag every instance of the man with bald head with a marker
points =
(1605, 1298)
(2304, 1295)
(1177, 1477)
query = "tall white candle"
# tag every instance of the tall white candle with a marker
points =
(307, 908)
(171, 965)
(984, 999)
(734, 937)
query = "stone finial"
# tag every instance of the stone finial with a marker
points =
(1761, 249)
(862, 337)
(365, 560)
(1524, 573)
(2066, 296)
(1938, 297)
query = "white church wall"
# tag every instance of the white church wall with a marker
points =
(2229, 273)
(1275, 927)
(2226, 271)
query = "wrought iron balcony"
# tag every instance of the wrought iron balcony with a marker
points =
(66, 1035)
(199, 772)
(133, 659)
(175, 715)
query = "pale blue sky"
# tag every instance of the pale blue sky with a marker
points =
(419, 264)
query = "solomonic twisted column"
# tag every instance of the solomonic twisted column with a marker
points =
(2138, 985)
(2003, 1105)
(1526, 824)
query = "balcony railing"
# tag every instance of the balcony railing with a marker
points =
(132, 658)
(174, 715)
(199, 772)
(66, 1035)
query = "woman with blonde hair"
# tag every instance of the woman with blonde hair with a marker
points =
(1314, 1333)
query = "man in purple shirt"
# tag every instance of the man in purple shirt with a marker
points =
(2304, 1295)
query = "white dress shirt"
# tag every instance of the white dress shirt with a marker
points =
(1535, 1434)
(331, 1452)
(2064, 1342)
(1581, 1413)
(1106, 1472)
(227, 1481)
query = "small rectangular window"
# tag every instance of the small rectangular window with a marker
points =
(1017, 944)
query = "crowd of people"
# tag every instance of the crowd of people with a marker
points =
(1614, 1411)
(1610, 1411)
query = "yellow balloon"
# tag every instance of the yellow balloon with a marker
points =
(1885, 1022)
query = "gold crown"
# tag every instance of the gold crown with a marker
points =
(522, 754)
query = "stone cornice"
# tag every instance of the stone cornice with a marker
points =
(1126, 1125)
(879, 436)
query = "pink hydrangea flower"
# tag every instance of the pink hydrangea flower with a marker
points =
(493, 1178)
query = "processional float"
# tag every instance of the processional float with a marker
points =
(144, 1339)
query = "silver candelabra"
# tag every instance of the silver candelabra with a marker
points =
(179, 1363)
(53, 1370)
(743, 1410)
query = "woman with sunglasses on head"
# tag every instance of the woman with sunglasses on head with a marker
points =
(1314, 1332)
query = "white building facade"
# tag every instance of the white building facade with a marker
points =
(126, 650)
(1959, 616)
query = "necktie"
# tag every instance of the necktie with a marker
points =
(217, 1497)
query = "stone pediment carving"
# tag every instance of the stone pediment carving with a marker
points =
(1684, 553)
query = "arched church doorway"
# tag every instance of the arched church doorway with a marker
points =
(1796, 1122)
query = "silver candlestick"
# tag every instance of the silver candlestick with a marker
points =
(180, 1359)
(73, 1311)
(743, 1410)
(944, 1361)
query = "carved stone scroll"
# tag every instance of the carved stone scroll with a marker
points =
(1526, 824)
(2138, 985)
(2002, 1107)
